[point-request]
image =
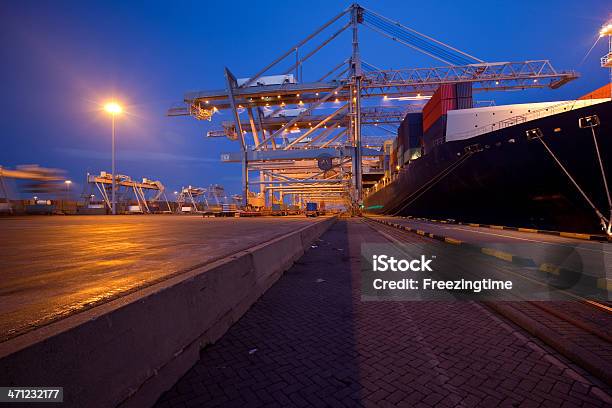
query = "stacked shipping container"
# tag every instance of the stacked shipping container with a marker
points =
(463, 90)
(447, 97)
(420, 132)
(603, 92)
(409, 138)
(443, 100)
(393, 158)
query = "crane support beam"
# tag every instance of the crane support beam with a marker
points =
(297, 154)
(487, 76)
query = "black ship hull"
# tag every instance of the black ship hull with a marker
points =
(508, 179)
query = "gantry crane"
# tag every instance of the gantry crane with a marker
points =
(199, 199)
(125, 187)
(306, 136)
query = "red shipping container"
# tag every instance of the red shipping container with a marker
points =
(447, 91)
(429, 106)
(443, 100)
(439, 110)
(603, 92)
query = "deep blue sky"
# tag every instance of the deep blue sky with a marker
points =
(61, 59)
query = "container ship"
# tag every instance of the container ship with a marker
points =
(535, 165)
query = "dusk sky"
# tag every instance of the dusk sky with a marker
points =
(61, 60)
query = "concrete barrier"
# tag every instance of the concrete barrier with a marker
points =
(128, 351)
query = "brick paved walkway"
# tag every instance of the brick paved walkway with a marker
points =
(309, 342)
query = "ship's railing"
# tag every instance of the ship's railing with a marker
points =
(606, 60)
(517, 120)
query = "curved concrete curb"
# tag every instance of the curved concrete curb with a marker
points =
(128, 351)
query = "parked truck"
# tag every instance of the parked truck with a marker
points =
(311, 210)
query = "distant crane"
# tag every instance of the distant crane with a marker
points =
(199, 199)
(125, 187)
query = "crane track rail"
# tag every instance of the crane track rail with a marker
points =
(576, 327)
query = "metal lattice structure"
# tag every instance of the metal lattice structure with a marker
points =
(201, 200)
(144, 194)
(305, 138)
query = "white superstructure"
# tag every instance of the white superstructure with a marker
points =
(467, 123)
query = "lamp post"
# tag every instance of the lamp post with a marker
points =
(113, 108)
(67, 183)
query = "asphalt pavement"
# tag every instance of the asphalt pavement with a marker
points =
(52, 267)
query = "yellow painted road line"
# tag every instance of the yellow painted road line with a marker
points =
(567, 245)
(604, 283)
(452, 241)
(497, 254)
(527, 230)
(575, 235)
(549, 268)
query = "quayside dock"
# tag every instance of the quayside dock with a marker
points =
(187, 311)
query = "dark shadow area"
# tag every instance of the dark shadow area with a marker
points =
(294, 347)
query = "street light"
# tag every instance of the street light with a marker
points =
(114, 109)
(67, 183)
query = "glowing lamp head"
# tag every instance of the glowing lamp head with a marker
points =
(606, 30)
(68, 182)
(112, 108)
